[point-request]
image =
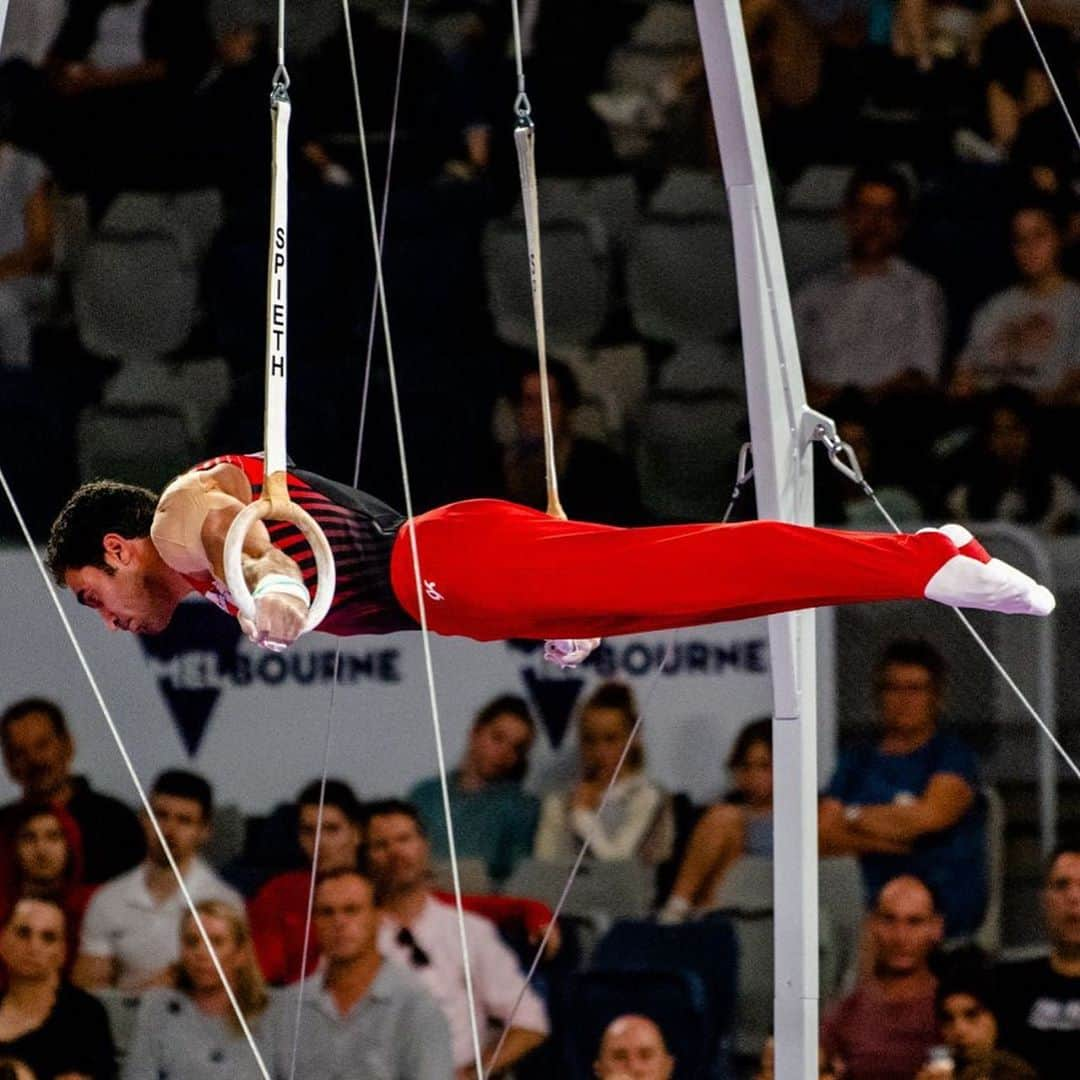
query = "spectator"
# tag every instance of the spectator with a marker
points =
(595, 483)
(494, 820)
(633, 1048)
(638, 822)
(422, 932)
(48, 864)
(279, 909)
(909, 804)
(55, 1028)
(883, 1029)
(38, 751)
(189, 1031)
(876, 323)
(26, 252)
(363, 1015)
(969, 1027)
(1029, 334)
(13, 1069)
(1039, 1000)
(1017, 89)
(740, 825)
(838, 501)
(1008, 472)
(111, 91)
(129, 932)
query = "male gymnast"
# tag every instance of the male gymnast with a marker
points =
(489, 569)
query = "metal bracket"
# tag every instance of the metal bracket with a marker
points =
(817, 427)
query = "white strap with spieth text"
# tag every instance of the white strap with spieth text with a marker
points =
(274, 502)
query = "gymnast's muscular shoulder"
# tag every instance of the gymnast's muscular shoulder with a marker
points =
(193, 515)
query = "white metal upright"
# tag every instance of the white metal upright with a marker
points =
(781, 429)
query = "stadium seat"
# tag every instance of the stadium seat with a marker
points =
(145, 446)
(602, 892)
(577, 275)
(681, 278)
(134, 295)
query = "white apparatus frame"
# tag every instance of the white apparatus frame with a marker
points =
(782, 429)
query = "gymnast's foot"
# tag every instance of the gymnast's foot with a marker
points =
(974, 580)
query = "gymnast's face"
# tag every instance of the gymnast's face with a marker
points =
(129, 593)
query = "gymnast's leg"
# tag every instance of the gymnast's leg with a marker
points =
(494, 570)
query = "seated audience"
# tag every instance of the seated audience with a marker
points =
(969, 1028)
(46, 1022)
(189, 1031)
(117, 73)
(1039, 1000)
(494, 819)
(595, 483)
(1017, 88)
(26, 252)
(740, 825)
(278, 911)
(129, 931)
(633, 1048)
(13, 1069)
(1008, 473)
(876, 323)
(910, 803)
(38, 751)
(839, 501)
(1029, 334)
(363, 1015)
(422, 933)
(883, 1029)
(637, 822)
(48, 864)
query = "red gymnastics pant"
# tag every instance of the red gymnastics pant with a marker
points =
(494, 569)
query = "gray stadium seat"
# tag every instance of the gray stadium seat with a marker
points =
(135, 296)
(690, 193)
(681, 279)
(602, 892)
(689, 434)
(138, 446)
(192, 218)
(577, 274)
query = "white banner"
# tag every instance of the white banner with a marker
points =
(254, 723)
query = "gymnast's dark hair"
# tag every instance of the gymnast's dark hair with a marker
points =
(98, 508)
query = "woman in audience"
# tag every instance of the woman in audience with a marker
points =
(637, 822)
(1009, 474)
(190, 1032)
(969, 1028)
(1029, 334)
(55, 1028)
(47, 863)
(494, 820)
(740, 825)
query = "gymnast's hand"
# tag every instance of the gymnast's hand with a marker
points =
(281, 608)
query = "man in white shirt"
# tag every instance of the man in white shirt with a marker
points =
(876, 323)
(422, 932)
(129, 937)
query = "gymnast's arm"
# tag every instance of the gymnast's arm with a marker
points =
(189, 531)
